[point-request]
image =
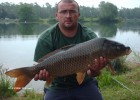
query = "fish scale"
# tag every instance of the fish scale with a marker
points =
(69, 57)
(69, 60)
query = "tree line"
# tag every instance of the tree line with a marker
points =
(31, 12)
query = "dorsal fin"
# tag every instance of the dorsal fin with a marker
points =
(67, 47)
(48, 55)
(55, 51)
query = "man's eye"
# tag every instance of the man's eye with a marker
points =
(68, 11)
(73, 11)
(63, 12)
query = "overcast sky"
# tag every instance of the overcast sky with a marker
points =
(94, 3)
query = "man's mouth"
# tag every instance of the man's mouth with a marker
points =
(68, 22)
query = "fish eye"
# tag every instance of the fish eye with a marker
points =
(118, 47)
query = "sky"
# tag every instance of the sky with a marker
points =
(90, 3)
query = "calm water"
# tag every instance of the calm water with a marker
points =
(18, 41)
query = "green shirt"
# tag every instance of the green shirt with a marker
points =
(52, 39)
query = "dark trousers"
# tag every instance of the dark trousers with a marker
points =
(87, 91)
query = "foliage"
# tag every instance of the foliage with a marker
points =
(8, 10)
(27, 95)
(31, 95)
(105, 79)
(26, 13)
(137, 55)
(120, 65)
(89, 12)
(130, 13)
(105, 10)
(5, 85)
(108, 11)
(52, 20)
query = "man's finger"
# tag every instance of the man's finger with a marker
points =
(36, 77)
(41, 75)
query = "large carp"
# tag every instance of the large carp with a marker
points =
(69, 60)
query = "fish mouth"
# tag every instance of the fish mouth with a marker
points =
(128, 50)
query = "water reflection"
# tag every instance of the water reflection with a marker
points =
(26, 29)
(21, 29)
(8, 29)
(130, 26)
(107, 30)
(103, 30)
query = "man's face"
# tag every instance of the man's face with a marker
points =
(67, 14)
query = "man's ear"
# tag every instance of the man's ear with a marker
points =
(78, 15)
(56, 17)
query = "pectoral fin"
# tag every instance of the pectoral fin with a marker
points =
(49, 81)
(113, 72)
(80, 77)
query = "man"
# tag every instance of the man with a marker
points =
(68, 31)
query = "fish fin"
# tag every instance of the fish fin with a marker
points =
(21, 82)
(80, 77)
(22, 77)
(67, 47)
(15, 72)
(113, 72)
(48, 55)
(49, 81)
(54, 52)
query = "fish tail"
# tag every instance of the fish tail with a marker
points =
(22, 75)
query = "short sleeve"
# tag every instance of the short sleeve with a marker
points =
(41, 50)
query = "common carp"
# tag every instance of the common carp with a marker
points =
(69, 60)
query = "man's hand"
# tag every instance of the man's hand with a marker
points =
(94, 70)
(43, 75)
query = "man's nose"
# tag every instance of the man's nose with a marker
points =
(68, 14)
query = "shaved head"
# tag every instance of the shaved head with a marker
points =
(67, 1)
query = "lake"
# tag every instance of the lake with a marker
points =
(18, 41)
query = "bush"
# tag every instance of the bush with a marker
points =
(5, 85)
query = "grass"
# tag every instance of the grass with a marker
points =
(27, 95)
(5, 85)
(130, 80)
(123, 86)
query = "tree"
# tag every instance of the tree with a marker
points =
(26, 13)
(108, 11)
(3, 13)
